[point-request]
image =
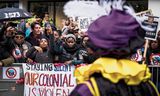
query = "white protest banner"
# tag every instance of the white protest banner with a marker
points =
(48, 80)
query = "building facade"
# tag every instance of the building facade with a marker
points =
(55, 7)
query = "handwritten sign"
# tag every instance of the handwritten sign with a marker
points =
(48, 80)
(84, 22)
(151, 35)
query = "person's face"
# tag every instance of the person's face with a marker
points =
(43, 43)
(19, 39)
(28, 25)
(37, 29)
(90, 51)
(154, 44)
(150, 19)
(67, 22)
(48, 26)
(70, 42)
(85, 40)
(56, 35)
(46, 16)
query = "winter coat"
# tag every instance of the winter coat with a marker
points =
(19, 53)
(32, 40)
(48, 56)
(5, 56)
(73, 54)
(44, 57)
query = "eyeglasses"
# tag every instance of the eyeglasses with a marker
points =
(19, 37)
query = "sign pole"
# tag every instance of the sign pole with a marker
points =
(145, 51)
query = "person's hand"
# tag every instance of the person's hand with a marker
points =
(29, 60)
(20, 81)
(1, 64)
(39, 49)
(10, 32)
(68, 62)
(62, 37)
(50, 31)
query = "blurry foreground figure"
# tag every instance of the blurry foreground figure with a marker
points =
(116, 35)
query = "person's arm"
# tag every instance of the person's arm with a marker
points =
(31, 53)
(80, 58)
(1, 64)
(65, 31)
(55, 48)
(7, 61)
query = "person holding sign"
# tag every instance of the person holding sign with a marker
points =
(116, 35)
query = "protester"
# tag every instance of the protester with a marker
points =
(71, 51)
(91, 53)
(21, 47)
(46, 51)
(41, 53)
(35, 35)
(6, 58)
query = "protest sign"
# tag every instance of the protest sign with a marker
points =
(83, 23)
(11, 72)
(151, 23)
(48, 80)
(151, 35)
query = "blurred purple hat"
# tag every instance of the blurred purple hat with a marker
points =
(118, 33)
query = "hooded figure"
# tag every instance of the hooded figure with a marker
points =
(116, 35)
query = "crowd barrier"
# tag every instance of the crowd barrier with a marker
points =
(9, 76)
(8, 87)
(155, 70)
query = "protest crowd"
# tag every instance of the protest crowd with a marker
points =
(40, 41)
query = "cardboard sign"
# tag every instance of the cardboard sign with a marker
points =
(151, 35)
(48, 80)
(11, 73)
(83, 23)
